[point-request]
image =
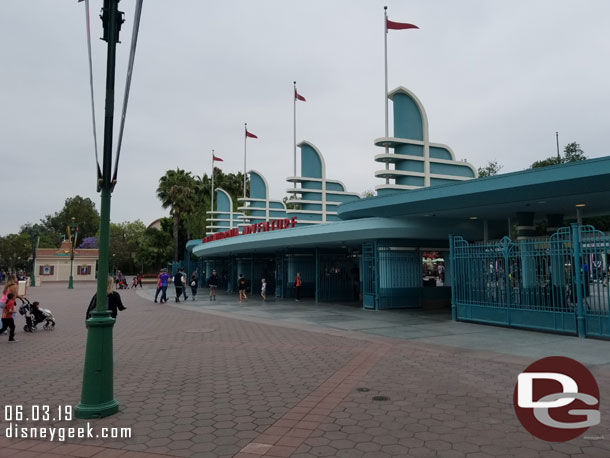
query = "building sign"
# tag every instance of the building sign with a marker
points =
(267, 226)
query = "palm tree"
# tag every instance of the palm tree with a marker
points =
(177, 190)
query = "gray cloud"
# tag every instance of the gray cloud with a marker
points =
(497, 80)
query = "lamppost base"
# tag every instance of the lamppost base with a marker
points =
(70, 283)
(106, 409)
(97, 397)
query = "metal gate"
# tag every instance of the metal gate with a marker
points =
(540, 283)
(337, 277)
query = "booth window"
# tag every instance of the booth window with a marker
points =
(46, 270)
(84, 270)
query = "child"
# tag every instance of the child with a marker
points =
(264, 289)
(134, 283)
(7, 317)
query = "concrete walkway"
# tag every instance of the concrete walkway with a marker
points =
(427, 326)
(285, 379)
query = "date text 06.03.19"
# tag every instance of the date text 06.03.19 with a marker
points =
(37, 413)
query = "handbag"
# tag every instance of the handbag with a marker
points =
(193, 283)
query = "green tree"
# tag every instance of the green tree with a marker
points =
(125, 239)
(492, 168)
(177, 191)
(571, 153)
(15, 251)
(82, 209)
(154, 249)
(49, 238)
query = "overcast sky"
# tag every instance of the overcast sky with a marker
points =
(497, 79)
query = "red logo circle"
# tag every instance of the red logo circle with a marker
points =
(544, 411)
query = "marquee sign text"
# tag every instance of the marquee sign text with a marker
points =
(267, 226)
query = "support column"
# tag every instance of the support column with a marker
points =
(485, 231)
(317, 274)
(526, 230)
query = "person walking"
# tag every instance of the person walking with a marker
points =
(114, 301)
(297, 287)
(140, 279)
(178, 284)
(194, 284)
(8, 322)
(241, 285)
(164, 280)
(213, 284)
(264, 289)
(184, 283)
(158, 284)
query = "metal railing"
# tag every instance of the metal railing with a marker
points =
(557, 283)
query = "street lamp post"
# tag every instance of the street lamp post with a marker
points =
(35, 238)
(97, 395)
(73, 230)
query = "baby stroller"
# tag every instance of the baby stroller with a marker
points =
(34, 315)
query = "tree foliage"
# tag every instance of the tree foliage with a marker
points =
(154, 250)
(85, 215)
(492, 168)
(189, 199)
(572, 152)
(15, 251)
(125, 238)
(177, 191)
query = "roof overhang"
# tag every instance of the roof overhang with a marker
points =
(339, 233)
(548, 190)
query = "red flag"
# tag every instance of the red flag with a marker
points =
(250, 134)
(399, 25)
(298, 96)
(214, 158)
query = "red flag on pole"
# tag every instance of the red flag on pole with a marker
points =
(399, 25)
(250, 134)
(298, 96)
(215, 158)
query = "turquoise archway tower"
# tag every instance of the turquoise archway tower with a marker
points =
(417, 162)
(317, 197)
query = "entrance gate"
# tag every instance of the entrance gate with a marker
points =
(337, 277)
(552, 283)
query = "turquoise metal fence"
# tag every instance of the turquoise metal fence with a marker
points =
(400, 276)
(337, 277)
(539, 283)
(595, 251)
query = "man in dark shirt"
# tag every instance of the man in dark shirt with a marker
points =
(178, 284)
(213, 284)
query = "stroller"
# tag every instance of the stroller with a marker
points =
(35, 315)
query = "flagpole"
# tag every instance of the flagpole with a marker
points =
(245, 142)
(385, 95)
(212, 198)
(294, 144)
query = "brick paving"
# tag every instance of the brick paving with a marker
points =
(201, 384)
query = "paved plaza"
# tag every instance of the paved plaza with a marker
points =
(290, 379)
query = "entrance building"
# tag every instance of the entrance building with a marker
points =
(399, 249)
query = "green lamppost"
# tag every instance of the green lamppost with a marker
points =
(35, 238)
(73, 229)
(97, 396)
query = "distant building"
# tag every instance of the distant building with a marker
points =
(156, 224)
(53, 264)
